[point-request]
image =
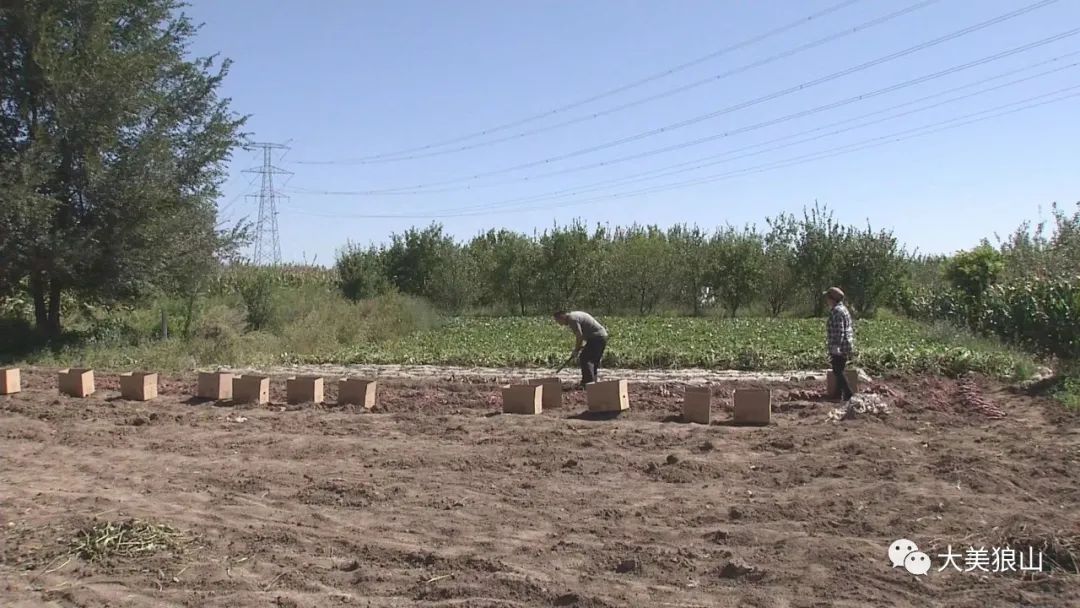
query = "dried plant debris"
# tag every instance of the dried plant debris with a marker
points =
(860, 405)
(131, 538)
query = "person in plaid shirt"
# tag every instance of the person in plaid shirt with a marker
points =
(841, 338)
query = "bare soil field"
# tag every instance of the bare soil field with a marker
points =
(434, 498)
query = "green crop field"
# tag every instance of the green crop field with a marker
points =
(745, 344)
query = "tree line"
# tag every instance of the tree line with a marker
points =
(639, 270)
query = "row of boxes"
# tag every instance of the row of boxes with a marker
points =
(214, 386)
(752, 406)
(539, 393)
(252, 388)
(134, 386)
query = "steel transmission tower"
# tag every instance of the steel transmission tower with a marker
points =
(267, 242)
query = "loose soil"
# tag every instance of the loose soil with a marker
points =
(434, 498)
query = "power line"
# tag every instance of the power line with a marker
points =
(615, 91)
(662, 95)
(730, 155)
(937, 127)
(267, 241)
(733, 108)
(895, 137)
(744, 129)
(243, 192)
(874, 142)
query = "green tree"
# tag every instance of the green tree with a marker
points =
(568, 259)
(455, 286)
(692, 266)
(973, 272)
(507, 265)
(112, 149)
(737, 269)
(817, 253)
(871, 267)
(416, 259)
(645, 257)
(362, 272)
(780, 283)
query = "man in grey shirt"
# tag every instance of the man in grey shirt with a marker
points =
(591, 341)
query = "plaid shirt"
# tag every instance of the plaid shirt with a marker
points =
(841, 334)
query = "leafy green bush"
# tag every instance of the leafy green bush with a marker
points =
(362, 273)
(258, 294)
(1040, 315)
(973, 272)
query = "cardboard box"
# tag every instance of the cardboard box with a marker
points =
(251, 389)
(523, 399)
(355, 391)
(77, 382)
(215, 385)
(753, 406)
(552, 391)
(10, 382)
(832, 387)
(697, 405)
(610, 396)
(304, 389)
(139, 386)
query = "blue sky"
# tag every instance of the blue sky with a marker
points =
(344, 80)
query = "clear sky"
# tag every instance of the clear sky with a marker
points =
(344, 80)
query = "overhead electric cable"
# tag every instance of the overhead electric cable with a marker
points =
(831, 152)
(729, 109)
(731, 132)
(615, 91)
(662, 95)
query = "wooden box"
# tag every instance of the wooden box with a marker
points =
(523, 399)
(251, 389)
(697, 405)
(753, 406)
(77, 382)
(356, 391)
(10, 382)
(138, 386)
(610, 396)
(304, 389)
(215, 385)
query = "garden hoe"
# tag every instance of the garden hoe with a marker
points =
(563, 366)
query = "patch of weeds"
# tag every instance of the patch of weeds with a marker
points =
(1068, 393)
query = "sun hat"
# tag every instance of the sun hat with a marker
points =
(835, 293)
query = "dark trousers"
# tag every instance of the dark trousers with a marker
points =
(589, 359)
(839, 362)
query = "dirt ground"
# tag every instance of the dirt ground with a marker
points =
(434, 498)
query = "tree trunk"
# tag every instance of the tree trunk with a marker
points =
(54, 307)
(41, 313)
(189, 315)
(776, 307)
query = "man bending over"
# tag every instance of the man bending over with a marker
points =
(591, 341)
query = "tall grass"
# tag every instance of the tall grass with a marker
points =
(265, 325)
